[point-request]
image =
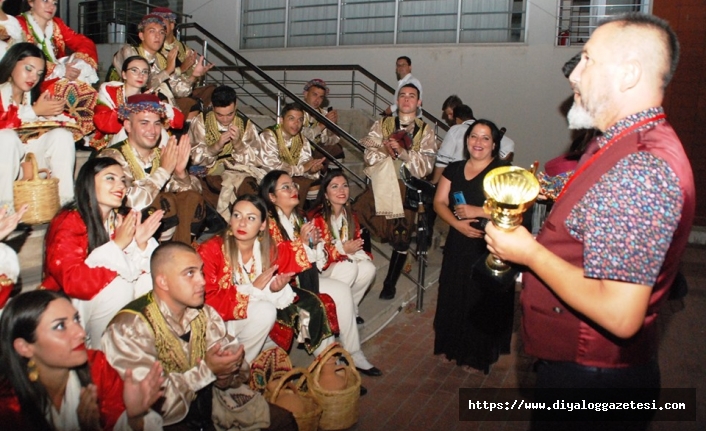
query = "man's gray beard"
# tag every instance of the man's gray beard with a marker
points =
(580, 118)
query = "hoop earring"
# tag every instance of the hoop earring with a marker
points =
(32, 371)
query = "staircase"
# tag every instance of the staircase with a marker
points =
(357, 95)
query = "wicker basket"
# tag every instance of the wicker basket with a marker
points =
(309, 419)
(41, 196)
(340, 407)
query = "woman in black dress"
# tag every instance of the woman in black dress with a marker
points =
(473, 322)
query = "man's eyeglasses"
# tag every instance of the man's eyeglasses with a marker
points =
(135, 71)
(288, 188)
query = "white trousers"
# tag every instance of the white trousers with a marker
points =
(53, 150)
(252, 332)
(357, 275)
(345, 311)
(12, 153)
(98, 311)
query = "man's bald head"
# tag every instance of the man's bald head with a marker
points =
(164, 254)
(648, 39)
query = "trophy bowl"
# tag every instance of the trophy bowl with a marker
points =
(509, 191)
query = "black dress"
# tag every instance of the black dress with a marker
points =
(473, 322)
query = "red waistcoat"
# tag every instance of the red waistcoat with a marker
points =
(553, 331)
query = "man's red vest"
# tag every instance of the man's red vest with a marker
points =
(553, 331)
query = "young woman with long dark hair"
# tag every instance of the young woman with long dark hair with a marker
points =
(95, 255)
(286, 224)
(341, 235)
(50, 381)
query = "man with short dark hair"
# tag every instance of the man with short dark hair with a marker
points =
(172, 325)
(165, 79)
(157, 178)
(225, 150)
(315, 93)
(452, 148)
(403, 70)
(284, 147)
(395, 143)
(608, 253)
(447, 109)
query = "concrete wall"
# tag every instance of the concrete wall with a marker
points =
(517, 86)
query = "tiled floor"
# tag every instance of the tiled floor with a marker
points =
(419, 392)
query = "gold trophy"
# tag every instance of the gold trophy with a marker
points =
(509, 191)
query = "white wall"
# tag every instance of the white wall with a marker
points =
(518, 86)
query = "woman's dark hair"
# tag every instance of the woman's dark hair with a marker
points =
(86, 202)
(322, 207)
(127, 61)
(495, 133)
(20, 319)
(17, 53)
(267, 187)
(267, 249)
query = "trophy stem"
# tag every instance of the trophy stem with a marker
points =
(496, 265)
(506, 221)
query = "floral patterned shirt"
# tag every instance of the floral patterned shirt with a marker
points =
(627, 219)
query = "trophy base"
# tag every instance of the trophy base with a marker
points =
(496, 266)
(491, 278)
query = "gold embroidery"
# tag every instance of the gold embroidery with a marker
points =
(241, 306)
(159, 58)
(226, 282)
(138, 172)
(5, 281)
(213, 135)
(288, 155)
(391, 124)
(169, 350)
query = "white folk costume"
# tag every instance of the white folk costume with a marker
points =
(54, 40)
(280, 151)
(249, 313)
(100, 283)
(235, 163)
(384, 172)
(150, 187)
(168, 85)
(338, 291)
(146, 331)
(22, 132)
(381, 207)
(356, 270)
(10, 33)
(109, 128)
(9, 271)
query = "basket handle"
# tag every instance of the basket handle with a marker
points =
(315, 367)
(286, 377)
(32, 160)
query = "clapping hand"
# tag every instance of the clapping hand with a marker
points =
(310, 234)
(144, 230)
(8, 223)
(125, 227)
(352, 246)
(88, 412)
(140, 395)
(72, 72)
(48, 105)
